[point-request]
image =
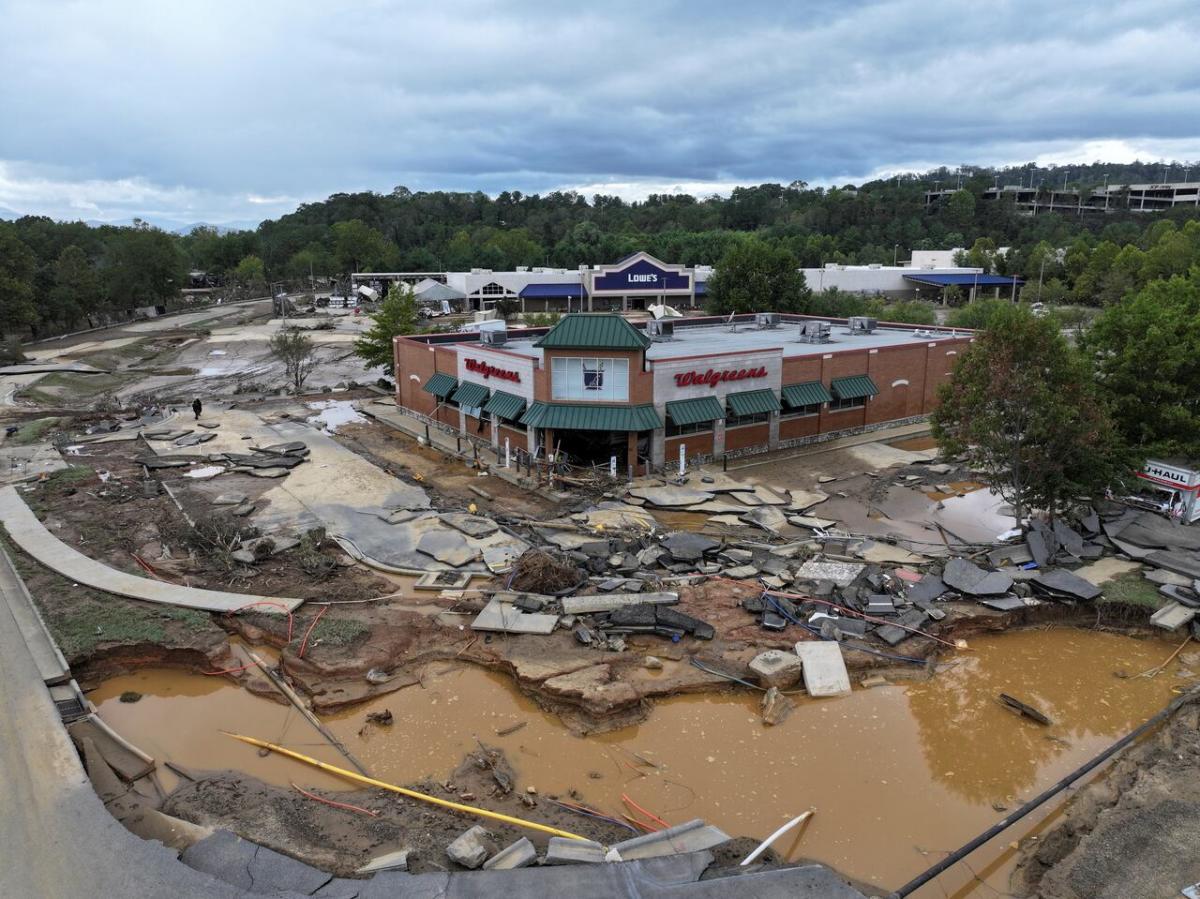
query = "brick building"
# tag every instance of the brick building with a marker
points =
(596, 386)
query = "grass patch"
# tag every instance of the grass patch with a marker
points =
(339, 631)
(34, 431)
(1132, 589)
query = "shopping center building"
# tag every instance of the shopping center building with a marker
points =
(596, 386)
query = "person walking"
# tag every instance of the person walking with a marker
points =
(197, 407)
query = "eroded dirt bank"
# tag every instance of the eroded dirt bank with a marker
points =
(1133, 832)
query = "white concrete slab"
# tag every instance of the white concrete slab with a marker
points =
(824, 668)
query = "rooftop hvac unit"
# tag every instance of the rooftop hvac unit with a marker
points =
(861, 324)
(766, 320)
(815, 332)
(491, 334)
(660, 329)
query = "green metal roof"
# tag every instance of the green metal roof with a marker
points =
(591, 417)
(470, 395)
(853, 387)
(505, 405)
(753, 402)
(690, 412)
(440, 385)
(586, 331)
(810, 393)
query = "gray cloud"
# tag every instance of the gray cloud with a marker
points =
(224, 110)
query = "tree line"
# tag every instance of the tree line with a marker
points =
(58, 275)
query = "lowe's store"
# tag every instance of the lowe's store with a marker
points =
(596, 386)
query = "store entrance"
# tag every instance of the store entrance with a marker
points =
(589, 448)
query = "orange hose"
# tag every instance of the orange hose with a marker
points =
(648, 814)
(307, 633)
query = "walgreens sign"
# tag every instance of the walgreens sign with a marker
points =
(490, 371)
(712, 377)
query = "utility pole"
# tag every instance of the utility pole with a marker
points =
(1041, 271)
(895, 254)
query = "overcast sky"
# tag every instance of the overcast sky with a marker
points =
(206, 110)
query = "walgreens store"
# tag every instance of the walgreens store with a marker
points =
(596, 386)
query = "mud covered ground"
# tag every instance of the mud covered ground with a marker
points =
(340, 840)
(1131, 833)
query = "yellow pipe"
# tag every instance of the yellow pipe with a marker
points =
(411, 794)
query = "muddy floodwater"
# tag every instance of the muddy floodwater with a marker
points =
(899, 774)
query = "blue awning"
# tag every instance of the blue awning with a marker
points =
(964, 280)
(553, 291)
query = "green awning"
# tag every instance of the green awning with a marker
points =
(690, 412)
(440, 385)
(810, 393)
(591, 417)
(470, 395)
(753, 402)
(505, 405)
(853, 387)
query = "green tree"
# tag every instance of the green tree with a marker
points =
(754, 276)
(297, 353)
(1147, 356)
(960, 210)
(17, 266)
(396, 317)
(251, 274)
(76, 289)
(1023, 409)
(142, 266)
(357, 246)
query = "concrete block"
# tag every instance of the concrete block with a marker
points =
(775, 668)
(562, 851)
(518, 855)
(824, 669)
(389, 861)
(472, 848)
(1173, 616)
(691, 836)
(775, 707)
(583, 605)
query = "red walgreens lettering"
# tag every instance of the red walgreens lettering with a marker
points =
(490, 371)
(712, 377)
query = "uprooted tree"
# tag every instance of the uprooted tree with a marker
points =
(1023, 409)
(297, 353)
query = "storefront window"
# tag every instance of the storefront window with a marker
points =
(587, 378)
(698, 427)
(801, 411)
(857, 402)
(736, 421)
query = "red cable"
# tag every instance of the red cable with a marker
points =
(347, 806)
(304, 642)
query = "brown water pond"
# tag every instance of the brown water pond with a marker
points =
(899, 774)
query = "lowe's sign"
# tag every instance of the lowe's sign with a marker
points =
(641, 276)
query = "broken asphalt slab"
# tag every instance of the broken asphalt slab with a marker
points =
(668, 497)
(971, 580)
(1059, 582)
